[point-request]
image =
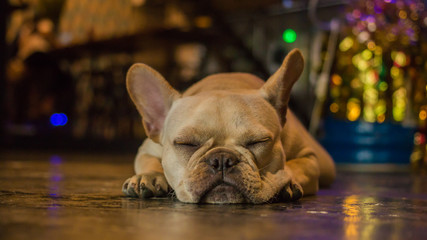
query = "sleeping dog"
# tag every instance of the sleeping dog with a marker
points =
(230, 138)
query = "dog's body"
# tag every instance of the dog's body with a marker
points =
(225, 139)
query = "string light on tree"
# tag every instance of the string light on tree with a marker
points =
(382, 67)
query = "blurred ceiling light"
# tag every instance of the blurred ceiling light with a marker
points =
(203, 21)
(138, 3)
(45, 26)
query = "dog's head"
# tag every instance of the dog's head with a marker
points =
(218, 146)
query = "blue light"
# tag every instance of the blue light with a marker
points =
(58, 119)
(287, 3)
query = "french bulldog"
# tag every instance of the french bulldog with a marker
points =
(230, 138)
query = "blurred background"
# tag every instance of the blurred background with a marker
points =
(362, 93)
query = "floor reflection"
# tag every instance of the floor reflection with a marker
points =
(351, 210)
(79, 197)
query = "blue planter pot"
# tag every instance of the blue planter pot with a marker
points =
(367, 143)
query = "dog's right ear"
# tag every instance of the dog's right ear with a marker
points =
(277, 89)
(152, 96)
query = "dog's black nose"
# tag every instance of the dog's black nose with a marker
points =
(221, 161)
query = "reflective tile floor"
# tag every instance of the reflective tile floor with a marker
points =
(78, 196)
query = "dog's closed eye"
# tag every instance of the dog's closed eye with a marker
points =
(182, 143)
(260, 141)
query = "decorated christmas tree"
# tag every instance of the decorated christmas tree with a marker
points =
(380, 68)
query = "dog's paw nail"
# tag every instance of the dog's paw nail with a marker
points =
(160, 191)
(296, 194)
(285, 195)
(146, 193)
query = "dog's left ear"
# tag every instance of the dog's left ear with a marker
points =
(277, 89)
(153, 97)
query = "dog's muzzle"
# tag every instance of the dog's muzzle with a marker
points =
(221, 160)
(223, 165)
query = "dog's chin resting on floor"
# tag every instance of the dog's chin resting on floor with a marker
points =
(230, 138)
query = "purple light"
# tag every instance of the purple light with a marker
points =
(378, 9)
(55, 160)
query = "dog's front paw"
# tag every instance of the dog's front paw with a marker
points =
(291, 192)
(146, 185)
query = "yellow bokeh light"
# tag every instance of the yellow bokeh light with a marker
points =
(353, 109)
(371, 77)
(398, 82)
(358, 62)
(371, 45)
(393, 55)
(381, 107)
(336, 79)
(334, 107)
(403, 14)
(366, 54)
(400, 59)
(414, 16)
(346, 44)
(370, 95)
(395, 72)
(369, 114)
(378, 50)
(381, 118)
(335, 92)
(355, 83)
(398, 114)
(423, 115)
(362, 65)
(352, 217)
(356, 59)
(383, 86)
(399, 104)
(377, 61)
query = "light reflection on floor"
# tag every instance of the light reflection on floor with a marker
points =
(78, 196)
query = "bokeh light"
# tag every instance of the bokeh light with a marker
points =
(353, 109)
(346, 44)
(334, 107)
(58, 119)
(289, 35)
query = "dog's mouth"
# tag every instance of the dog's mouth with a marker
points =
(223, 193)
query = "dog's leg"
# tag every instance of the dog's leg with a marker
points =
(305, 172)
(149, 180)
(307, 162)
(304, 179)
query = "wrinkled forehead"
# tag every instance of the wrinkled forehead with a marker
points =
(222, 114)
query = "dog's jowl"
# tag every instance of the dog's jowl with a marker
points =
(230, 138)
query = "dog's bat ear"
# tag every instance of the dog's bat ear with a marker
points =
(277, 89)
(152, 96)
